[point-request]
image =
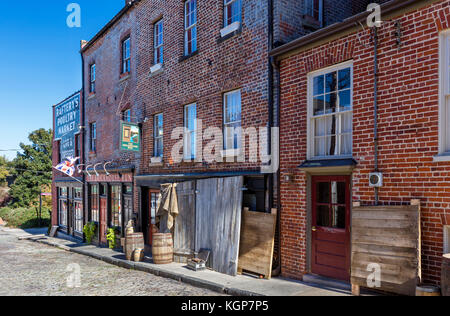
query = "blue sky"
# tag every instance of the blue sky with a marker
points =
(40, 61)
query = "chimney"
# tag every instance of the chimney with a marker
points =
(83, 43)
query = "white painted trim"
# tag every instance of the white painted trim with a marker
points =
(230, 29)
(155, 68)
(310, 127)
(444, 65)
(442, 158)
(446, 239)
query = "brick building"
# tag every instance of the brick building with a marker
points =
(328, 136)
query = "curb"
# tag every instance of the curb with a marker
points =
(138, 266)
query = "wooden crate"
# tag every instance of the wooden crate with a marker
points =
(388, 236)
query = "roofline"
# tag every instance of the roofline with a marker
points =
(71, 96)
(333, 29)
(116, 18)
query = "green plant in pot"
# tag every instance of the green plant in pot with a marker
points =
(112, 238)
(89, 231)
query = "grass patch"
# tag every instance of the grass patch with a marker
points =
(24, 218)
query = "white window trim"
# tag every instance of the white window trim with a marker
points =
(192, 156)
(310, 127)
(157, 47)
(187, 28)
(233, 27)
(444, 83)
(231, 152)
(226, 5)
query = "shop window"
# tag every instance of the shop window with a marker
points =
(95, 213)
(116, 203)
(128, 189)
(330, 113)
(62, 212)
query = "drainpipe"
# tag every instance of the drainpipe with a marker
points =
(83, 136)
(375, 97)
(270, 93)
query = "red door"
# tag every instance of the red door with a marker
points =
(331, 227)
(103, 219)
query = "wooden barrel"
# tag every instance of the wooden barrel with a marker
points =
(162, 249)
(445, 275)
(427, 290)
(133, 242)
(138, 255)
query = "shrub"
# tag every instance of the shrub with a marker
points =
(89, 231)
(24, 217)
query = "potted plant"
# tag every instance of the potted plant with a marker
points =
(113, 238)
(89, 231)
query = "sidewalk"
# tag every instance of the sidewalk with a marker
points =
(236, 286)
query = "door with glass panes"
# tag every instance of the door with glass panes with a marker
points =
(331, 226)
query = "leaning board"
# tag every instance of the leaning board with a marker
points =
(388, 236)
(257, 243)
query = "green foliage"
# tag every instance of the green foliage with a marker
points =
(4, 170)
(89, 231)
(32, 168)
(111, 238)
(24, 217)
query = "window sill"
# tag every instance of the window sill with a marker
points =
(442, 158)
(310, 22)
(91, 96)
(185, 57)
(231, 29)
(124, 77)
(230, 153)
(156, 162)
(156, 69)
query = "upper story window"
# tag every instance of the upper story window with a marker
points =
(232, 12)
(444, 111)
(93, 137)
(232, 120)
(190, 27)
(190, 124)
(314, 9)
(330, 106)
(126, 56)
(159, 135)
(126, 116)
(158, 43)
(92, 79)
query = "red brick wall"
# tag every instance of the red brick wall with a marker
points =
(408, 130)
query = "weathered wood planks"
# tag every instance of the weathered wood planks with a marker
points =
(388, 236)
(257, 243)
(184, 231)
(218, 221)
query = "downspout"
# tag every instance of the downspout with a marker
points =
(272, 66)
(375, 97)
(270, 94)
(83, 135)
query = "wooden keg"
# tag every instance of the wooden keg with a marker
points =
(162, 249)
(133, 242)
(445, 275)
(427, 290)
(138, 255)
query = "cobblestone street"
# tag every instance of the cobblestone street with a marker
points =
(28, 268)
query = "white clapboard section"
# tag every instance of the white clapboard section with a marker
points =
(218, 221)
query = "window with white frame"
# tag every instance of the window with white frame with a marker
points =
(126, 116)
(190, 27)
(313, 8)
(158, 43)
(159, 135)
(126, 56)
(444, 117)
(92, 79)
(232, 120)
(330, 111)
(190, 139)
(232, 12)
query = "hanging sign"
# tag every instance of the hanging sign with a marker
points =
(130, 137)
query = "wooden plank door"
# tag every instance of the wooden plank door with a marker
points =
(103, 219)
(184, 231)
(331, 226)
(218, 221)
(152, 209)
(128, 209)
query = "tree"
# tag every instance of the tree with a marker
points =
(32, 168)
(4, 170)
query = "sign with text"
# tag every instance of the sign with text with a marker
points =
(67, 124)
(130, 137)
